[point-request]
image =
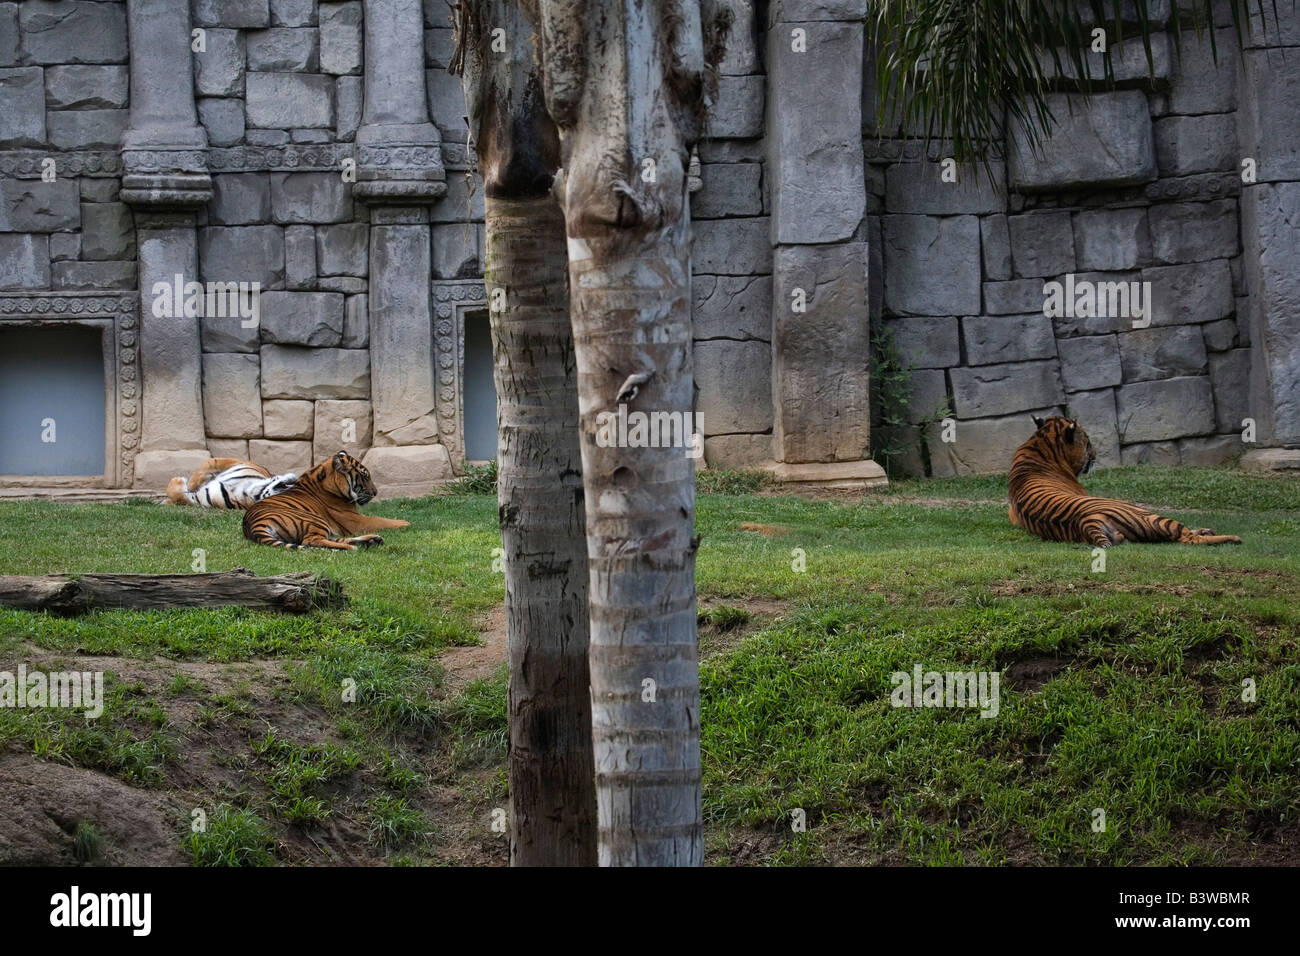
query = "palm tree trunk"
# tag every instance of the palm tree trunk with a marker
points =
(624, 81)
(552, 818)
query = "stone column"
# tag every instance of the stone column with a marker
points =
(1270, 208)
(820, 339)
(400, 174)
(164, 155)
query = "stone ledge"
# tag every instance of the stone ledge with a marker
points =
(831, 474)
(1271, 460)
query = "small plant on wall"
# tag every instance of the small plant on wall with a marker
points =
(898, 442)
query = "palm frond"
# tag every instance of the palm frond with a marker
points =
(954, 69)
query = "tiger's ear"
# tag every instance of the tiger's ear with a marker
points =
(340, 457)
(1069, 433)
(1038, 422)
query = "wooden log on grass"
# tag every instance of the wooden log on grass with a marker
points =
(294, 593)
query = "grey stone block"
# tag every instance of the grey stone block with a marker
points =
(64, 246)
(293, 13)
(86, 87)
(342, 44)
(820, 356)
(349, 99)
(22, 121)
(1209, 452)
(1095, 411)
(1128, 63)
(228, 448)
(738, 451)
(1166, 409)
(1194, 231)
(313, 373)
(1090, 362)
(24, 261)
(284, 100)
(349, 285)
(1230, 379)
(730, 189)
(928, 396)
(1121, 121)
(92, 276)
(734, 381)
(1269, 132)
(1016, 296)
(456, 253)
(240, 199)
(463, 202)
(446, 98)
(932, 266)
(985, 446)
(100, 190)
(732, 247)
(1163, 453)
(1196, 144)
(815, 170)
(438, 47)
(266, 137)
(1190, 293)
(738, 112)
(995, 243)
(31, 205)
(310, 198)
(919, 188)
(299, 257)
(1109, 305)
(1042, 244)
(10, 46)
(1162, 353)
(73, 32)
(995, 339)
(335, 421)
(1200, 85)
(107, 231)
(302, 318)
(279, 457)
(86, 129)
(223, 119)
(1111, 239)
(243, 254)
(1000, 389)
(228, 334)
(231, 13)
(283, 49)
(1222, 335)
(219, 68)
(232, 403)
(288, 419)
(356, 322)
(926, 342)
(732, 307)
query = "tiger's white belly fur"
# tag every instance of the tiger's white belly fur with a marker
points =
(239, 487)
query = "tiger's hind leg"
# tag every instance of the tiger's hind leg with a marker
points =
(1206, 536)
(1099, 532)
(365, 541)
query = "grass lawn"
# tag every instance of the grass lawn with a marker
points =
(1121, 690)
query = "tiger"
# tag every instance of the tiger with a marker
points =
(227, 483)
(1047, 500)
(322, 505)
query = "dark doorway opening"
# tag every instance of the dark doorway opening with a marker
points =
(478, 391)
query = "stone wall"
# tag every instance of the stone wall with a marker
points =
(1144, 184)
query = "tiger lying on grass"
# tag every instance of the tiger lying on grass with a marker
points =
(1046, 500)
(227, 483)
(323, 504)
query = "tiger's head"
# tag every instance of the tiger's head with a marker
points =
(1068, 443)
(344, 477)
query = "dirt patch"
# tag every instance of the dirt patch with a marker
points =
(466, 664)
(766, 530)
(1032, 673)
(758, 613)
(45, 802)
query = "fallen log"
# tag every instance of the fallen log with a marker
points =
(294, 593)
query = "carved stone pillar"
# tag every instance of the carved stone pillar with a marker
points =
(820, 339)
(400, 174)
(1270, 208)
(164, 155)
